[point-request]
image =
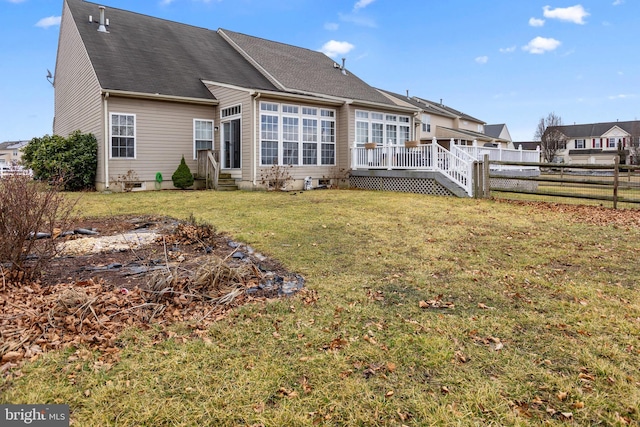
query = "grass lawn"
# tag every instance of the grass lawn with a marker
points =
(429, 311)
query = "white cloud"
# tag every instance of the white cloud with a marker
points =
(618, 2)
(623, 96)
(575, 14)
(166, 2)
(354, 18)
(482, 59)
(535, 22)
(50, 21)
(334, 48)
(361, 4)
(331, 26)
(508, 49)
(540, 45)
(16, 1)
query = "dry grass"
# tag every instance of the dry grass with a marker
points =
(539, 321)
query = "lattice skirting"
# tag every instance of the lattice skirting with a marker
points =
(400, 184)
(512, 184)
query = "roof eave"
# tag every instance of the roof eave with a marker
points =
(159, 97)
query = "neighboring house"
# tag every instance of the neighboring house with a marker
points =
(152, 91)
(599, 143)
(500, 132)
(11, 153)
(436, 120)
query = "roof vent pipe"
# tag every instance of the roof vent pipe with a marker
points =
(102, 28)
(407, 93)
(342, 68)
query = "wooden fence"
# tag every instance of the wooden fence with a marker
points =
(613, 183)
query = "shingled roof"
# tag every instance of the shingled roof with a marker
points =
(427, 108)
(598, 129)
(144, 54)
(297, 69)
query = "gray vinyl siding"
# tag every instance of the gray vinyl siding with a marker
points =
(228, 98)
(344, 137)
(164, 133)
(78, 102)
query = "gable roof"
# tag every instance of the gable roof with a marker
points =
(296, 69)
(144, 54)
(494, 130)
(442, 107)
(597, 129)
(427, 108)
(13, 145)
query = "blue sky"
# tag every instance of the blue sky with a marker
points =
(502, 61)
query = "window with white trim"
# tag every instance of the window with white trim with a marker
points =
(426, 123)
(123, 136)
(202, 135)
(580, 143)
(382, 128)
(290, 134)
(597, 143)
(611, 142)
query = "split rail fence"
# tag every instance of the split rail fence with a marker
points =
(613, 185)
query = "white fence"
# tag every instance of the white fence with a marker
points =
(14, 170)
(426, 157)
(501, 155)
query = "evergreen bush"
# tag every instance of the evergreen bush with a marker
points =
(74, 160)
(182, 177)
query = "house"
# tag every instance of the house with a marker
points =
(500, 132)
(11, 153)
(153, 91)
(437, 120)
(599, 143)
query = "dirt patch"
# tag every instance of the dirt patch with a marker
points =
(135, 271)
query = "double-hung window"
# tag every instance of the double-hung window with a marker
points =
(202, 135)
(611, 143)
(296, 135)
(426, 123)
(382, 128)
(269, 133)
(580, 143)
(123, 136)
(328, 137)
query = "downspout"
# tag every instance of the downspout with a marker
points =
(105, 107)
(255, 142)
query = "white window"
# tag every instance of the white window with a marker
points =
(580, 143)
(426, 123)
(382, 128)
(296, 141)
(202, 135)
(611, 143)
(597, 143)
(123, 136)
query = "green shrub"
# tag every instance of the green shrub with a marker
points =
(182, 177)
(73, 159)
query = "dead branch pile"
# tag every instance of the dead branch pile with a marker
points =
(34, 319)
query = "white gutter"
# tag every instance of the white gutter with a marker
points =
(105, 107)
(161, 97)
(255, 136)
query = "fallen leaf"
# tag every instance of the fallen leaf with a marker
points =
(578, 405)
(391, 367)
(562, 396)
(389, 393)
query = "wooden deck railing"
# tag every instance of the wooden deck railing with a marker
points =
(209, 167)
